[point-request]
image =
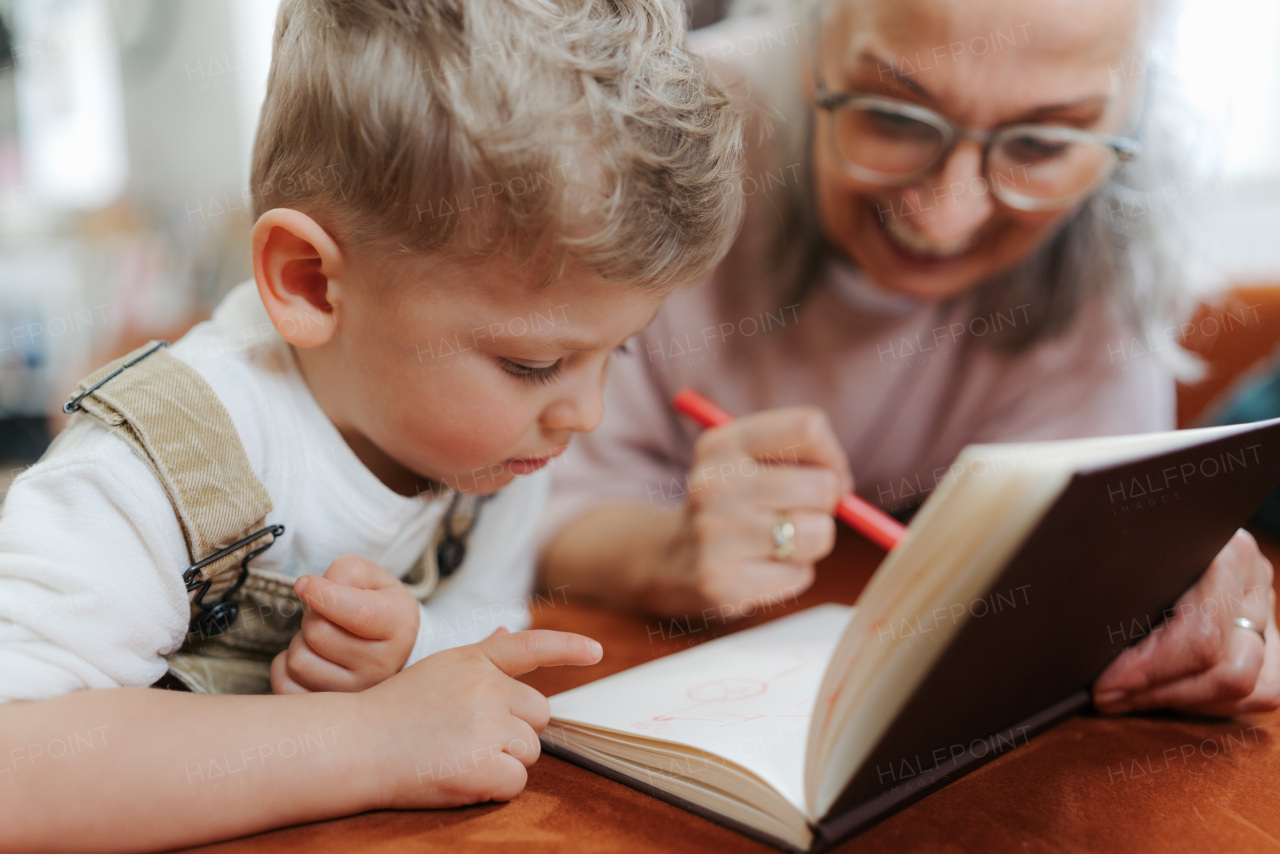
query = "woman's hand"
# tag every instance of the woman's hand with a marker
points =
(748, 478)
(1200, 660)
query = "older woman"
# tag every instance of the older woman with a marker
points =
(935, 254)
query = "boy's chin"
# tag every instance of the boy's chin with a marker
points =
(490, 488)
(485, 484)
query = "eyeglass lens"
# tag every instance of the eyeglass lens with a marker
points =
(1042, 164)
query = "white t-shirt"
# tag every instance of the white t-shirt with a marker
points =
(91, 553)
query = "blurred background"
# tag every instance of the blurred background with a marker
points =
(125, 134)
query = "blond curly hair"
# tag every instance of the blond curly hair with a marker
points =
(582, 127)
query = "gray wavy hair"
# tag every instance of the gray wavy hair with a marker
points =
(1129, 243)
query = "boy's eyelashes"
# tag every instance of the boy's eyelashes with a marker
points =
(542, 374)
(531, 373)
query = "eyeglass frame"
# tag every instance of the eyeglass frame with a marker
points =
(953, 134)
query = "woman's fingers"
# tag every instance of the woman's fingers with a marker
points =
(1201, 660)
(748, 534)
(738, 562)
(796, 435)
(1217, 690)
(801, 487)
(767, 440)
(761, 493)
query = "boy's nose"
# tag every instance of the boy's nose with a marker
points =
(579, 409)
(954, 202)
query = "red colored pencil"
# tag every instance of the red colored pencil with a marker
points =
(874, 524)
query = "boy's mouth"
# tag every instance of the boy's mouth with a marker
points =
(528, 465)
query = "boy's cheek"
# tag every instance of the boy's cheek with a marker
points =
(463, 426)
(475, 437)
(473, 460)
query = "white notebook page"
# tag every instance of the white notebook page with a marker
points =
(747, 697)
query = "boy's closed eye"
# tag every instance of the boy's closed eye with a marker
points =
(541, 373)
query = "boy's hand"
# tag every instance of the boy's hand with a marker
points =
(359, 627)
(456, 728)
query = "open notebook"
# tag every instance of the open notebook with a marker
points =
(1027, 571)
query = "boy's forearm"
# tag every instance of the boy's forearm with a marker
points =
(136, 769)
(623, 554)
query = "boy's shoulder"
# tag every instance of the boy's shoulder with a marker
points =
(232, 352)
(250, 369)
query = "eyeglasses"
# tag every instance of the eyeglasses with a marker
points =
(1030, 167)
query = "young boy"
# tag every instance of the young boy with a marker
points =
(463, 210)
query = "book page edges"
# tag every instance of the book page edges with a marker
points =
(862, 697)
(799, 842)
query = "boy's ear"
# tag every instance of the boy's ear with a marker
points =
(298, 267)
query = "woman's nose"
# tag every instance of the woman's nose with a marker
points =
(955, 201)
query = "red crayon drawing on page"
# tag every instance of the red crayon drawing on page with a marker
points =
(713, 699)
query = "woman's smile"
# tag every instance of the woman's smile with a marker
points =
(915, 248)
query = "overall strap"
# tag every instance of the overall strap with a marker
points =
(176, 424)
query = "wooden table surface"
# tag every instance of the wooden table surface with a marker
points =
(1133, 784)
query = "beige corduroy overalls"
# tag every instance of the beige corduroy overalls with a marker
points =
(241, 616)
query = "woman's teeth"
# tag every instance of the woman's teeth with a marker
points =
(911, 240)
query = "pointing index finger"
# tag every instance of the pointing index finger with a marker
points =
(520, 652)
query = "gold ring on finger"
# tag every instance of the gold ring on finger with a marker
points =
(784, 536)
